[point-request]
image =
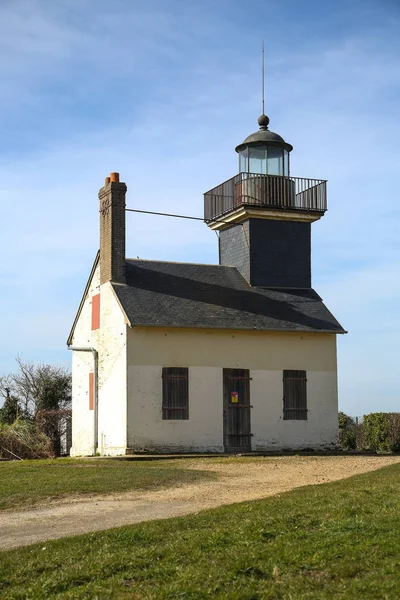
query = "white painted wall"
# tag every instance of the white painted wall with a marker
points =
(82, 364)
(110, 342)
(202, 432)
(132, 359)
(112, 375)
(269, 429)
(206, 353)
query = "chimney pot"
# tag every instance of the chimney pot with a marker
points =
(114, 177)
(106, 181)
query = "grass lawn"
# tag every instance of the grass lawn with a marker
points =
(333, 541)
(34, 481)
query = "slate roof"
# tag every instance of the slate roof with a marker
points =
(166, 294)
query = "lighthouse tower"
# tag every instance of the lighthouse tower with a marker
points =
(264, 214)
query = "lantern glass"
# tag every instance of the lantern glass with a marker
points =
(244, 161)
(258, 160)
(264, 160)
(286, 163)
(275, 161)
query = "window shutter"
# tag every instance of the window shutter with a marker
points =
(175, 393)
(294, 395)
(91, 391)
(95, 312)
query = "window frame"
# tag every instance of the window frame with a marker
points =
(175, 393)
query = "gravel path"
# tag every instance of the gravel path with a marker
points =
(239, 479)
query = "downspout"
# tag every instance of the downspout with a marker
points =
(96, 390)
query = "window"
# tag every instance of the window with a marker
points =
(295, 395)
(175, 393)
(275, 156)
(244, 161)
(286, 163)
(258, 160)
(96, 311)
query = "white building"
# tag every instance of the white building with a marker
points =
(235, 357)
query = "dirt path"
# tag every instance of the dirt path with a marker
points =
(239, 480)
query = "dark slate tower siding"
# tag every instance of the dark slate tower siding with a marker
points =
(269, 253)
(234, 248)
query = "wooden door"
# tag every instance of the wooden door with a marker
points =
(237, 427)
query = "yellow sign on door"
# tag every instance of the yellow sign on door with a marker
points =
(234, 397)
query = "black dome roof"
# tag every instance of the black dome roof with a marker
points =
(264, 136)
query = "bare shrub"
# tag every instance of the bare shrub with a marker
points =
(41, 387)
(39, 394)
(23, 440)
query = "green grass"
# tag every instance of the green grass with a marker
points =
(32, 482)
(334, 541)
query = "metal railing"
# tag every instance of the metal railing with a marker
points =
(275, 192)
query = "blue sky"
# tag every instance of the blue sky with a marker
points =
(162, 91)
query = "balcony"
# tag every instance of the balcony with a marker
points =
(266, 192)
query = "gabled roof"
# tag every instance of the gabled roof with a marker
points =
(82, 302)
(166, 294)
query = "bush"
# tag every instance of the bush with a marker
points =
(376, 427)
(347, 432)
(382, 432)
(379, 432)
(23, 440)
(394, 432)
(9, 410)
(57, 426)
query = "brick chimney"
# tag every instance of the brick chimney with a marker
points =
(112, 230)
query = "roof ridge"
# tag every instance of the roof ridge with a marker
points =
(177, 262)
